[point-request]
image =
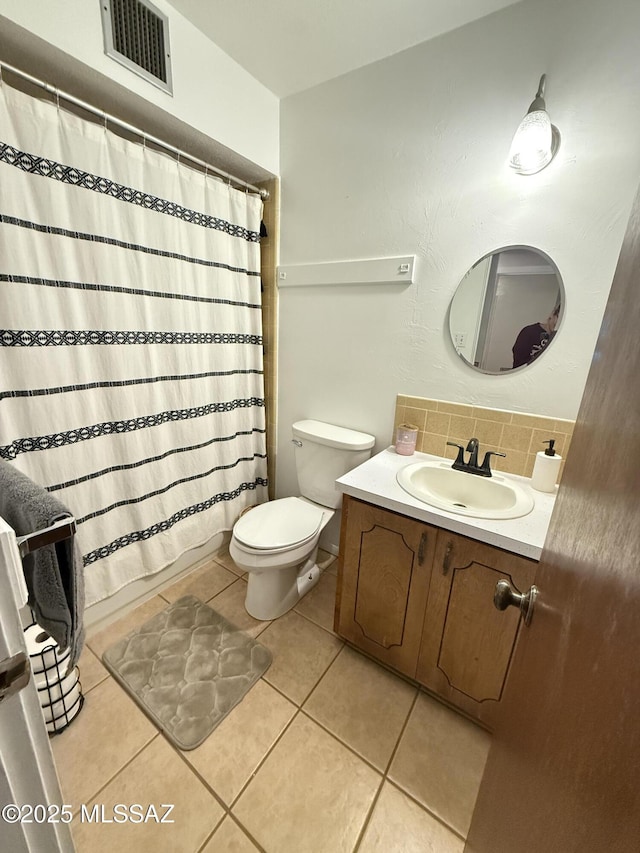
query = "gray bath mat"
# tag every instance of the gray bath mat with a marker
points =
(187, 667)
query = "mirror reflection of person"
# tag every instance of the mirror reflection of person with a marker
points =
(533, 340)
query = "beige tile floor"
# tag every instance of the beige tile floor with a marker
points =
(328, 752)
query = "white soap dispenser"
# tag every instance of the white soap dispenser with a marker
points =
(546, 469)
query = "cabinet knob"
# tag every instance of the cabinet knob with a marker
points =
(506, 596)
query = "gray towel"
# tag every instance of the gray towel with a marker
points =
(54, 574)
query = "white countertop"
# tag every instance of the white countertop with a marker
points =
(375, 482)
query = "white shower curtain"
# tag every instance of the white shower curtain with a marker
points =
(131, 378)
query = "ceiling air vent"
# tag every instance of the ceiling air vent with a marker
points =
(136, 34)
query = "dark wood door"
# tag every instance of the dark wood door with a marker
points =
(563, 774)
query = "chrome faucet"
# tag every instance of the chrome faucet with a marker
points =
(471, 465)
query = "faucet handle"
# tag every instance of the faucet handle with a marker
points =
(485, 468)
(459, 464)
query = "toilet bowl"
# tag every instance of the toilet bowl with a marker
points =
(276, 543)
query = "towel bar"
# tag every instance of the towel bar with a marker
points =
(59, 530)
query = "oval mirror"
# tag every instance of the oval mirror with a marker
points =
(507, 309)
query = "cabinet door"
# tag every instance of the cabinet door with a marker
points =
(467, 644)
(384, 581)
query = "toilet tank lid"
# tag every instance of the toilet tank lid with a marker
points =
(333, 436)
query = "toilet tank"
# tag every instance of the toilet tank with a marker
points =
(325, 452)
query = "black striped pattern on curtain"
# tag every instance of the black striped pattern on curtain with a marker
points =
(131, 373)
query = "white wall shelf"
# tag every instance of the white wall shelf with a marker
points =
(396, 270)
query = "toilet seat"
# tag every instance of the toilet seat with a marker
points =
(279, 525)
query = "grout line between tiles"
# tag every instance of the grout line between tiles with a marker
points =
(196, 773)
(161, 733)
(93, 797)
(278, 690)
(322, 677)
(337, 737)
(386, 778)
(342, 743)
(425, 809)
(210, 835)
(331, 734)
(246, 832)
(89, 689)
(87, 643)
(301, 703)
(401, 735)
(260, 764)
(317, 624)
(299, 710)
(381, 773)
(225, 808)
(397, 784)
(369, 815)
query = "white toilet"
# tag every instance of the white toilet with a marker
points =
(277, 542)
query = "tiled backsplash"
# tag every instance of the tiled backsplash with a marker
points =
(518, 435)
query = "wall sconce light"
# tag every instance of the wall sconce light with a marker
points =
(536, 140)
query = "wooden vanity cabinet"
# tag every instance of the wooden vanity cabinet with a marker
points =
(385, 566)
(420, 599)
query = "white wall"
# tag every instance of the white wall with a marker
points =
(211, 92)
(408, 155)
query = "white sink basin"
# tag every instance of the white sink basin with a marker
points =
(437, 484)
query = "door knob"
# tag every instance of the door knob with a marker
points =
(505, 596)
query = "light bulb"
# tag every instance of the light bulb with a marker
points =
(532, 146)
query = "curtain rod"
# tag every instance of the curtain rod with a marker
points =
(264, 194)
